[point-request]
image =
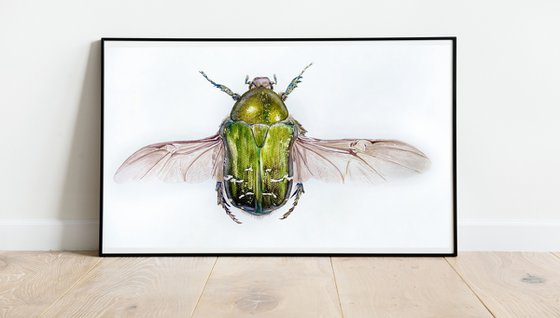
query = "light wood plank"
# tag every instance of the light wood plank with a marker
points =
(31, 281)
(138, 287)
(403, 287)
(270, 287)
(513, 284)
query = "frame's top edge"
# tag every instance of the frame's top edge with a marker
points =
(408, 38)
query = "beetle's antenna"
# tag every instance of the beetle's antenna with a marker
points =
(294, 83)
(247, 80)
(275, 79)
(223, 88)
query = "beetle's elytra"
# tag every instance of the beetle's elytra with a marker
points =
(260, 152)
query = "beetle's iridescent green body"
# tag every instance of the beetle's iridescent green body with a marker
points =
(258, 138)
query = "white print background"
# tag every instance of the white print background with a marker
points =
(378, 90)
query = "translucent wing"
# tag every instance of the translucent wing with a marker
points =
(176, 161)
(361, 160)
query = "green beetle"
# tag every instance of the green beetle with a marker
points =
(260, 151)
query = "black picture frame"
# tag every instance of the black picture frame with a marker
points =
(453, 40)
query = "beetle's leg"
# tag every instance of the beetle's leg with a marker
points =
(219, 193)
(221, 87)
(223, 202)
(299, 191)
(226, 206)
(294, 83)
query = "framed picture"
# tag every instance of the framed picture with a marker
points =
(278, 146)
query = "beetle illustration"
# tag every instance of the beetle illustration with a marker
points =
(260, 152)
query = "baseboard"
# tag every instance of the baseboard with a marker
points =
(474, 235)
(509, 235)
(47, 234)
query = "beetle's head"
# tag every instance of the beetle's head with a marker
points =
(258, 82)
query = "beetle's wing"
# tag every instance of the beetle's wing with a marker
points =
(361, 160)
(176, 161)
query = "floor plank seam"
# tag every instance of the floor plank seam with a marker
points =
(204, 287)
(336, 288)
(470, 288)
(86, 274)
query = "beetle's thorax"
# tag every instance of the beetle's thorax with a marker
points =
(259, 105)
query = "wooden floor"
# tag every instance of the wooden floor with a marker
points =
(64, 284)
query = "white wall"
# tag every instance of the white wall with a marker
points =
(508, 102)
